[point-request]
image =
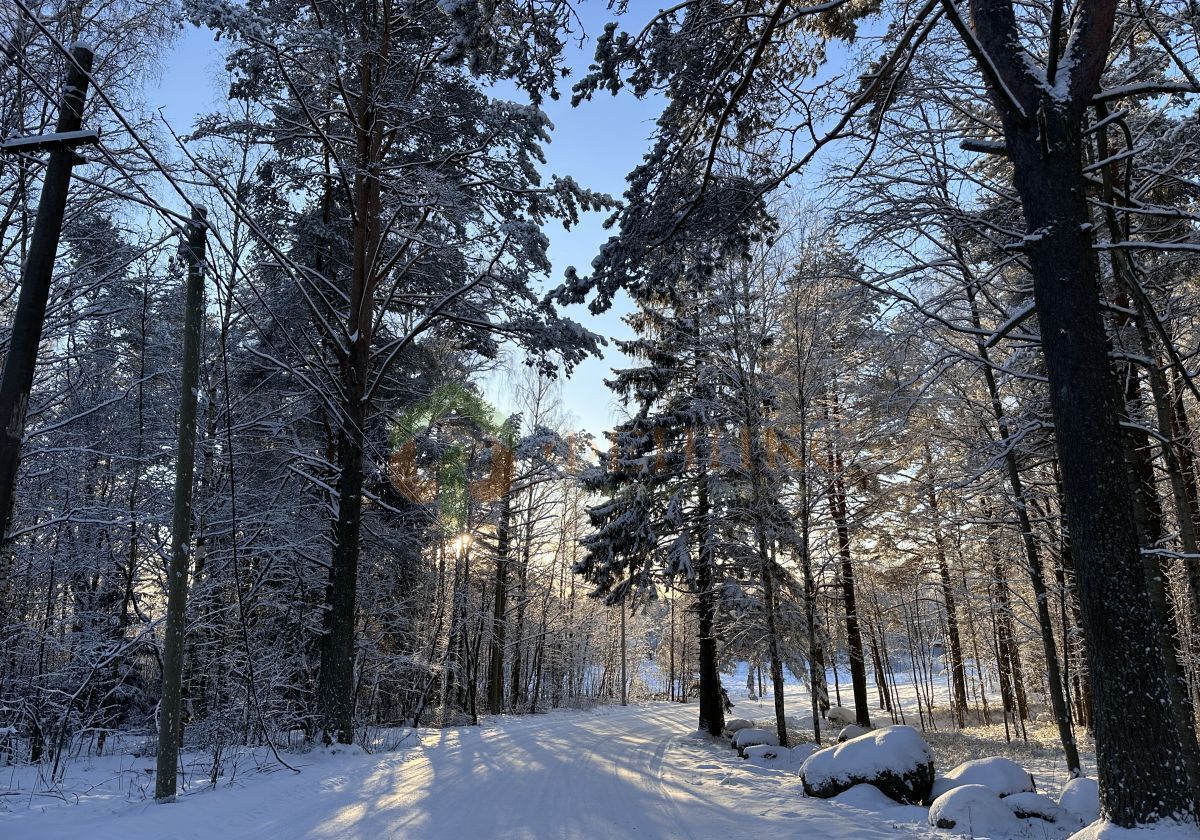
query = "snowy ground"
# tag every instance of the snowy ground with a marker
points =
(604, 773)
(609, 772)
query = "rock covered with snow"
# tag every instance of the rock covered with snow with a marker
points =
(753, 737)
(975, 811)
(732, 727)
(764, 754)
(851, 731)
(894, 759)
(840, 716)
(1002, 776)
(803, 751)
(1081, 797)
(1037, 805)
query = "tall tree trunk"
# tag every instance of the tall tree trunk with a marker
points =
(495, 686)
(958, 672)
(854, 644)
(712, 709)
(1148, 514)
(1143, 773)
(335, 687)
(768, 575)
(1121, 638)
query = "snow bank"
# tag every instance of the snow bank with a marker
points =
(1081, 797)
(866, 798)
(1039, 806)
(975, 811)
(1002, 776)
(894, 759)
(1166, 830)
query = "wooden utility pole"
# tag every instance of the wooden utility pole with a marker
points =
(30, 316)
(181, 524)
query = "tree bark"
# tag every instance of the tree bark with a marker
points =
(854, 644)
(1143, 772)
(500, 607)
(1121, 637)
(712, 710)
(958, 671)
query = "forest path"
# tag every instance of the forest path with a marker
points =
(613, 772)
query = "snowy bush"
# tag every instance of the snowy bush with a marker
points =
(851, 731)
(895, 759)
(1081, 797)
(1002, 776)
(975, 811)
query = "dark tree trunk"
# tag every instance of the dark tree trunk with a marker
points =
(1122, 638)
(335, 685)
(854, 644)
(516, 686)
(880, 678)
(495, 687)
(958, 671)
(1148, 514)
(335, 688)
(1143, 771)
(773, 641)
(712, 710)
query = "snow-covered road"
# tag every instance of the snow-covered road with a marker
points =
(606, 773)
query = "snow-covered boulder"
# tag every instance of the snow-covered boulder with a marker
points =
(975, 811)
(752, 738)
(840, 716)
(1081, 797)
(851, 731)
(732, 727)
(764, 754)
(894, 759)
(1002, 776)
(801, 752)
(1037, 805)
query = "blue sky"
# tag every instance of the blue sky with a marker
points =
(597, 143)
